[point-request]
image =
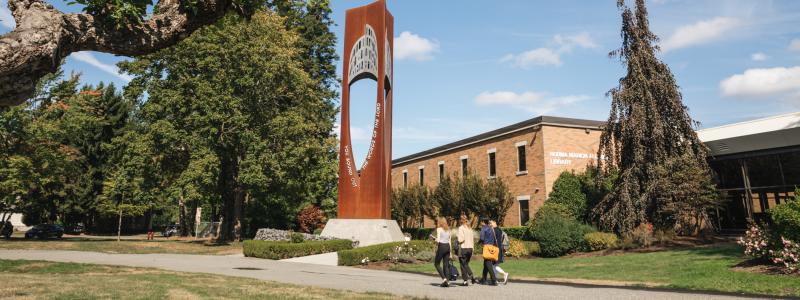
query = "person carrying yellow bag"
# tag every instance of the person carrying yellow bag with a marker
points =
(491, 251)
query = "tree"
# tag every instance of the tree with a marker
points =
(236, 118)
(498, 200)
(446, 197)
(648, 126)
(567, 191)
(44, 36)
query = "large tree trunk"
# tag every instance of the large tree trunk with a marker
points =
(44, 36)
(232, 199)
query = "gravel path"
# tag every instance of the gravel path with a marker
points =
(346, 278)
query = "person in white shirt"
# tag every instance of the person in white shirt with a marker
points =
(504, 243)
(443, 251)
(466, 242)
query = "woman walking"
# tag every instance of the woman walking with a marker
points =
(466, 240)
(443, 251)
(503, 242)
(488, 238)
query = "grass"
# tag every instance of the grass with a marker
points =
(49, 280)
(125, 246)
(704, 269)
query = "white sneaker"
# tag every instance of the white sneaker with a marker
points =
(505, 278)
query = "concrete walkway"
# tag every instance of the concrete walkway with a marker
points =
(346, 278)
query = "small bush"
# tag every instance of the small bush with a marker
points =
(595, 241)
(558, 235)
(663, 236)
(519, 248)
(283, 250)
(518, 233)
(756, 242)
(786, 218)
(532, 248)
(642, 235)
(788, 257)
(379, 252)
(318, 231)
(310, 218)
(295, 237)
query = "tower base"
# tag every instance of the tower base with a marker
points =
(365, 231)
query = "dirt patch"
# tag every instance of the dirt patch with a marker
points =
(760, 266)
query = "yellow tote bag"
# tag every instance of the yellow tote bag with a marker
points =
(491, 252)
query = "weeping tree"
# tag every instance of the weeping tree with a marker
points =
(648, 127)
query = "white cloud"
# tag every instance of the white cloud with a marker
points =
(759, 56)
(551, 55)
(753, 83)
(6, 19)
(414, 47)
(794, 45)
(535, 57)
(87, 57)
(700, 33)
(534, 102)
(356, 133)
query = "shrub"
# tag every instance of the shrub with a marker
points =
(318, 231)
(379, 252)
(595, 241)
(642, 235)
(518, 248)
(518, 233)
(310, 218)
(295, 237)
(786, 218)
(567, 191)
(756, 242)
(283, 250)
(558, 235)
(789, 256)
(532, 248)
(663, 236)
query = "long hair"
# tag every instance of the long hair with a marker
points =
(443, 224)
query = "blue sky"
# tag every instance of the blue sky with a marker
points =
(465, 67)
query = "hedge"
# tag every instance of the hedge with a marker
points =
(518, 233)
(375, 253)
(283, 249)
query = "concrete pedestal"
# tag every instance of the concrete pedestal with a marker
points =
(365, 231)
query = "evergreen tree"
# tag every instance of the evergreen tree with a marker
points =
(648, 126)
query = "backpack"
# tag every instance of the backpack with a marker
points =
(453, 271)
(505, 241)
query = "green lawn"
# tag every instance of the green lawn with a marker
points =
(707, 269)
(125, 246)
(49, 280)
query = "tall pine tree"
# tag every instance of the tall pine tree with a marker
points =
(649, 132)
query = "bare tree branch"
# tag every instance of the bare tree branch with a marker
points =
(44, 36)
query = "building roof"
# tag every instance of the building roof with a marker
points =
(541, 120)
(768, 133)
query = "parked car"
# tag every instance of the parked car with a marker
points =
(43, 231)
(170, 230)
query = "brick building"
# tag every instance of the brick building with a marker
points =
(528, 155)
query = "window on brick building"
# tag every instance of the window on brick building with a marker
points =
(524, 210)
(464, 166)
(492, 165)
(441, 170)
(405, 178)
(521, 164)
(421, 176)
